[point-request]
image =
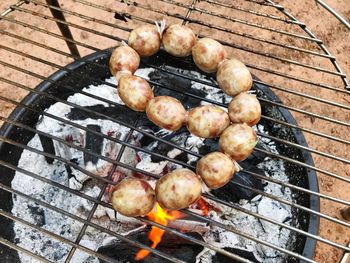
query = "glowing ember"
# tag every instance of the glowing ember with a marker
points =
(203, 205)
(161, 217)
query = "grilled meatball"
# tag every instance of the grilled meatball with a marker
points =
(245, 108)
(124, 61)
(145, 40)
(207, 54)
(216, 169)
(135, 92)
(234, 77)
(207, 121)
(133, 197)
(178, 40)
(238, 141)
(178, 189)
(166, 112)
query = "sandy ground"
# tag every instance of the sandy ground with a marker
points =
(334, 35)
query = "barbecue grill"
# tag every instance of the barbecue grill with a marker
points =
(51, 52)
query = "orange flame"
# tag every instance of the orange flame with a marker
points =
(205, 206)
(161, 217)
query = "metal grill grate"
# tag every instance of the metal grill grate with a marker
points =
(286, 56)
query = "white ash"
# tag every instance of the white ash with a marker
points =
(147, 165)
(93, 239)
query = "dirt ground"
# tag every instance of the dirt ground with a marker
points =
(334, 35)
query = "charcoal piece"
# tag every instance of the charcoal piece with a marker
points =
(178, 137)
(233, 192)
(164, 78)
(69, 171)
(48, 147)
(220, 258)
(146, 140)
(94, 143)
(173, 64)
(179, 86)
(209, 145)
(171, 244)
(145, 124)
(162, 149)
(38, 215)
(118, 112)
(256, 157)
(182, 157)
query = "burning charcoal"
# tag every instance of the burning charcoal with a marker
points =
(76, 179)
(219, 258)
(233, 192)
(48, 147)
(94, 143)
(79, 114)
(104, 211)
(170, 244)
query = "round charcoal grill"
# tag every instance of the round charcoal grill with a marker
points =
(303, 92)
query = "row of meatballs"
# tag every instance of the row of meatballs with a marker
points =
(182, 187)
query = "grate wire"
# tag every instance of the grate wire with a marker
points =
(188, 18)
